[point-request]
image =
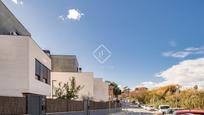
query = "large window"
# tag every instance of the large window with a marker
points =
(42, 73)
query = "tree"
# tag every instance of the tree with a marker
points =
(59, 91)
(140, 94)
(195, 87)
(116, 90)
(125, 92)
(126, 89)
(68, 91)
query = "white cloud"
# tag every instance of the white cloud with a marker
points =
(179, 54)
(74, 14)
(184, 53)
(187, 73)
(148, 84)
(61, 17)
(18, 2)
(193, 49)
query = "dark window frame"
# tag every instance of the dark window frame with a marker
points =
(42, 73)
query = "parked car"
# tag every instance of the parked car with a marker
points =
(163, 108)
(172, 110)
(133, 106)
(150, 108)
(189, 112)
(143, 106)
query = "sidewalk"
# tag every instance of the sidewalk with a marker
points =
(119, 113)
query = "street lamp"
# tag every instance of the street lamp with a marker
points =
(177, 91)
(109, 104)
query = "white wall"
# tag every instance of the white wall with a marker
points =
(36, 86)
(13, 65)
(82, 78)
(17, 66)
(100, 90)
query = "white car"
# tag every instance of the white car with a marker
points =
(143, 106)
(163, 108)
(150, 108)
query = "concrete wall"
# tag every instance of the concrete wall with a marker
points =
(17, 66)
(82, 78)
(64, 63)
(100, 90)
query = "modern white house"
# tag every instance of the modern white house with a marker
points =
(84, 79)
(94, 88)
(101, 90)
(64, 67)
(27, 69)
(24, 67)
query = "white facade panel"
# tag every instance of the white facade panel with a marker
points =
(13, 65)
(84, 79)
(17, 66)
(100, 90)
(36, 86)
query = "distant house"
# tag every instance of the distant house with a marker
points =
(64, 67)
(24, 67)
(65, 63)
(101, 92)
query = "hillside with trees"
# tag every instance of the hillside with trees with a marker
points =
(172, 95)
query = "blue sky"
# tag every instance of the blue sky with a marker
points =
(146, 37)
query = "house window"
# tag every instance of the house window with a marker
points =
(37, 77)
(42, 73)
(45, 80)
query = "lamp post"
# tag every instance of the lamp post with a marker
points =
(109, 104)
(177, 91)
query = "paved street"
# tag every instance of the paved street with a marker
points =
(135, 111)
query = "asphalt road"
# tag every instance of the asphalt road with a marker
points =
(134, 111)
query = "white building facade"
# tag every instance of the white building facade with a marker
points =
(18, 58)
(64, 67)
(94, 88)
(24, 67)
(100, 90)
(84, 79)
